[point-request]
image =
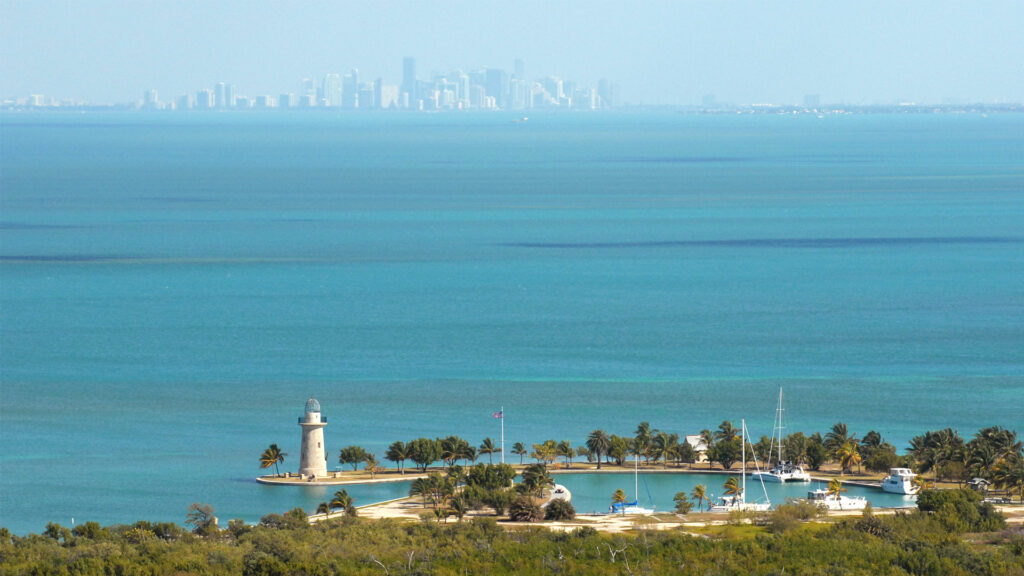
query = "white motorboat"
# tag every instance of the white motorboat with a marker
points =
(824, 499)
(559, 492)
(900, 481)
(783, 471)
(739, 501)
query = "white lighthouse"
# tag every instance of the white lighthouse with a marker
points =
(313, 461)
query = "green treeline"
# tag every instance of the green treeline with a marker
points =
(953, 533)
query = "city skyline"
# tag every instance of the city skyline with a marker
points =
(660, 53)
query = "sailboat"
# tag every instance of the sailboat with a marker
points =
(783, 471)
(739, 502)
(632, 507)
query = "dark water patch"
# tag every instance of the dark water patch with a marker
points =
(678, 159)
(780, 242)
(27, 226)
(63, 258)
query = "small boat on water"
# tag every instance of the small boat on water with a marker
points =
(829, 501)
(900, 481)
(739, 501)
(559, 492)
(783, 471)
(633, 507)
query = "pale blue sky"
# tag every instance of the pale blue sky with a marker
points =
(660, 52)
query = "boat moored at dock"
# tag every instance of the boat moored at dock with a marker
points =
(900, 481)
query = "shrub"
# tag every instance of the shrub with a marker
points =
(559, 510)
(524, 509)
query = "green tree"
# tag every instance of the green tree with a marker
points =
(354, 455)
(708, 438)
(732, 488)
(520, 450)
(546, 452)
(835, 488)
(598, 443)
(559, 510)
(683, 504)
(848, 455)
(642, 439)
(488, 447)
(618, 449)
(344, 502)
(398, 453)
(619, 496)
(838, 437)
(726, 431)
(424, 452)
(536, 479)
(200, 517)
(372, 465)
(525, 509)
(816, 455)
(566, 451)
(700, 494)
(271, 457)
(727, 452)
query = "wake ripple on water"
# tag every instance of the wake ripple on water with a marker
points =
(779, 242)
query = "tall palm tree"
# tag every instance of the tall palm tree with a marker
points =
(700, 494)
(837, 438)
(519, 449)
(271, 457)
(708, 438)
(642, 439)
(733, 488)
(488, 447)
(599, 443)
(726, 431)
(835, 488)
(323, 508)
(565, 450)
(848, 456)
(1009, 475)
(663, 446)
(619, 496)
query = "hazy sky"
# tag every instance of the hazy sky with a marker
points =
(659, 52)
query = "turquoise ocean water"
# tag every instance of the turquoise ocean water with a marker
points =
(173, 288)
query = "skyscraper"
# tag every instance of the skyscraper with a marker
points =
(497, 86)
(350, 90)
(219, 98)
(229, 96)
(332, 90)
(409, 78)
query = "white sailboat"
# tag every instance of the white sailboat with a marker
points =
(783, 471)
(633, 507)
(739, 501)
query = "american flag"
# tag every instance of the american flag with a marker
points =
(499, 414)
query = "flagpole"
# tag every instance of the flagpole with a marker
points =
(502, 434)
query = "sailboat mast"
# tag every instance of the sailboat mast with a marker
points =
(743, 451)
(780, 426)
(636, 478)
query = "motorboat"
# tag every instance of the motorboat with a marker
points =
(900, 481)
(822, 498)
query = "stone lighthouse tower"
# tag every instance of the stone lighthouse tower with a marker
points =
(313, 461)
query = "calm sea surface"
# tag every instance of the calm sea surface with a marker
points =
(173, 288)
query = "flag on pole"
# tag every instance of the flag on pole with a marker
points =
(499, 414)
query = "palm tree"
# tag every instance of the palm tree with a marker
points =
(726, 431)
(642, 439)
(519, 449)
(1009, 475)
(536, 478)
(848, 456)
(324, 508)
(835, 488)
(565, 450)
(599, 443)
(488, 447)
(708, 438)
(344, 501)
(733, 488)
(271, 457)
(921, 483)
(372, 466)
(546, 452)
(838, 437)
(398, 453)
(663, 446)
(619, 496)
(700, 494)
